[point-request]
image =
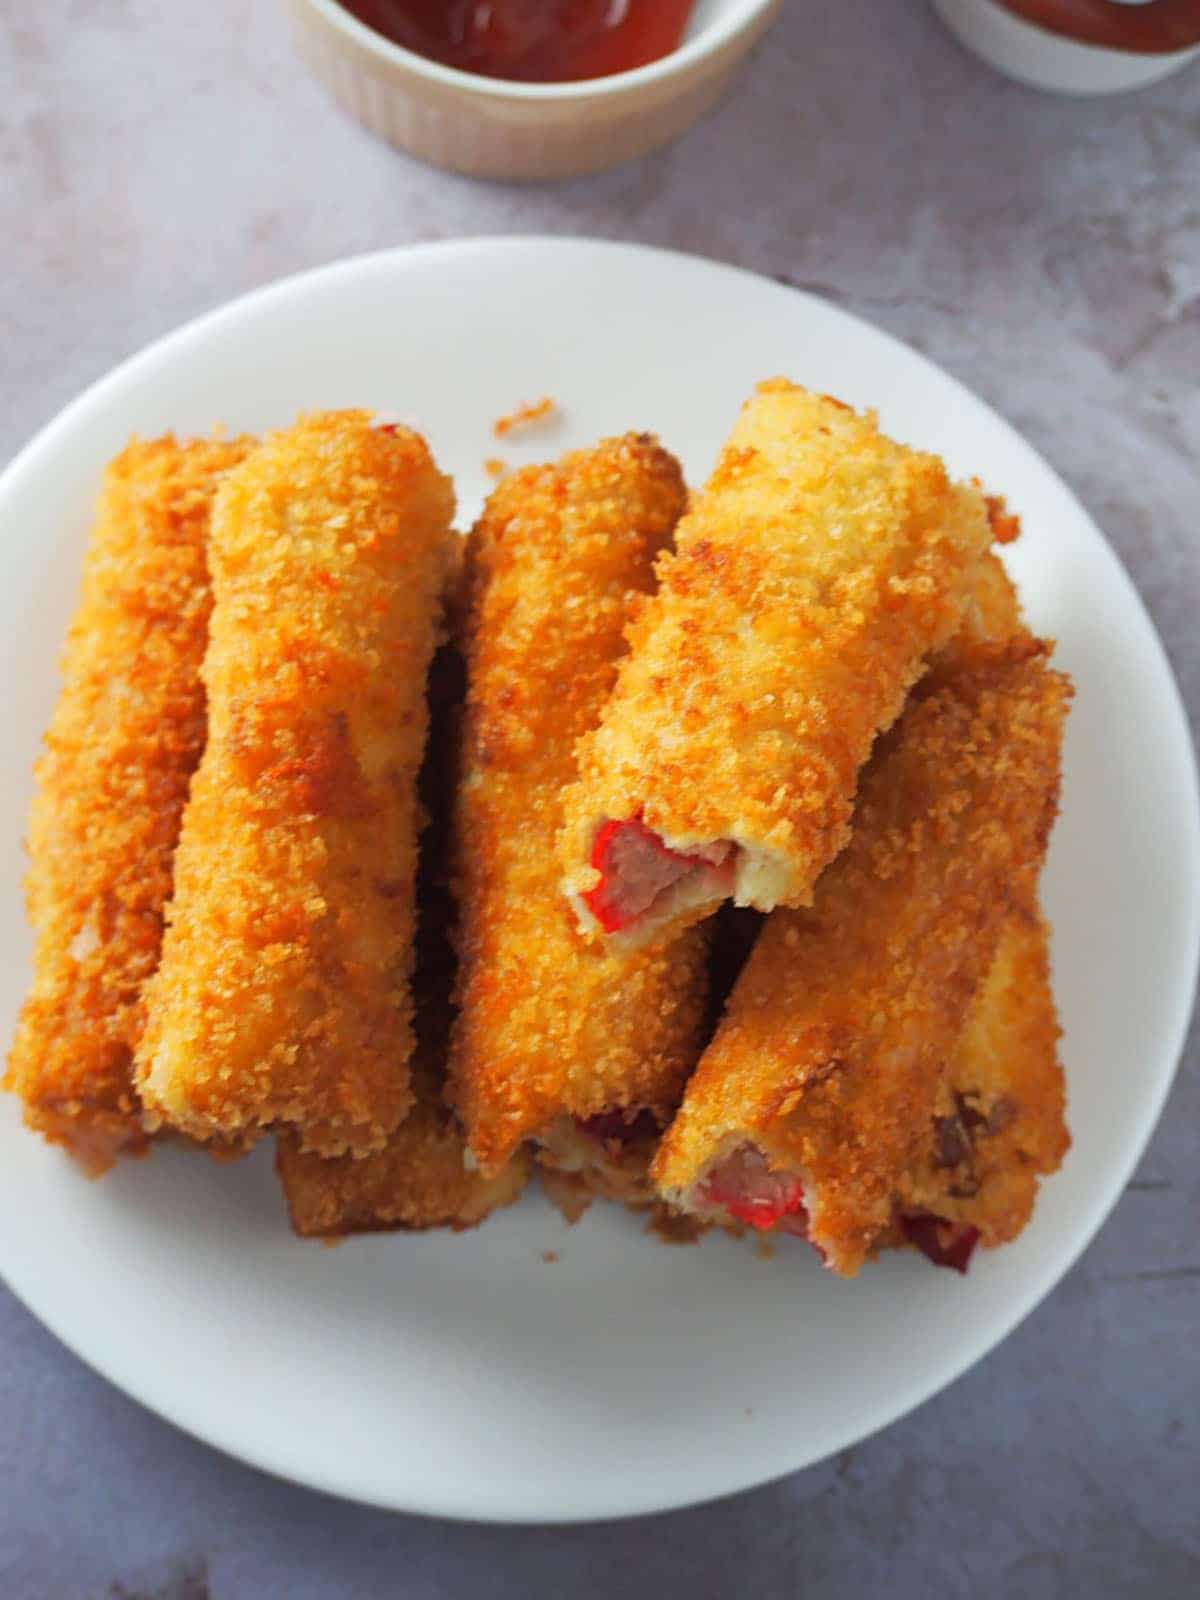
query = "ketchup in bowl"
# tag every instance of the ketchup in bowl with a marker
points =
(1152, 27)
(531, 41)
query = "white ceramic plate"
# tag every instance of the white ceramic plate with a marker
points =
(467, 1376)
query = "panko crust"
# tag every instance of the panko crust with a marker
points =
(549, 1025)
(283, 993)
(992, 612)
(422, 1177)
(1000, 1122)
(418, 1181)
(811, 578)
(124, 741)
(832, 1050)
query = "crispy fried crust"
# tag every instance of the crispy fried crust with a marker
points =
(1000, 1117)
(550, 1026)
(126, 736)
(832, 1049)
(283, 993)
(421, 1178)
(992, 612)
(816, 571)
(415, 1183)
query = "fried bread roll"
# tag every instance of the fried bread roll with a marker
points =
(422, 1178)
(818, 1093)
(416, 1182)
(812, 578)
(999, 1123)
(283, 994)
(120, 752)
(582, 1048)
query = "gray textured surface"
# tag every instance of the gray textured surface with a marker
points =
(156, 160)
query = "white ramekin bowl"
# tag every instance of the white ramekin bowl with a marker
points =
(489, 128)
(1045, 60)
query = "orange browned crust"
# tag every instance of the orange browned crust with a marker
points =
(832, 1050)
(422, 1178)
(992, 612)
(1000, 1118)
(551, 1027)
(283, 993)
(524, 416)
(418, 1181)
(1005, 524)
(126, 736)
(812, 577)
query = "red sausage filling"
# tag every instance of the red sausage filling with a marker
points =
(946, 1244)
(745, 1187)
(637, 870)
(611, 1127)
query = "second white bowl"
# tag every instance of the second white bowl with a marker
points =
(490, 128)
(1044, 60)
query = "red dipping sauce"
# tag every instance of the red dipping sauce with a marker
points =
(1158, 27)
(531, 41)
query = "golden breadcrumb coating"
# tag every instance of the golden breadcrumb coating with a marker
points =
(421, 1178)
(999, 1124)
(551, 1027)
(830, 1055)
(283, 993)
(416, 1182)
(125, 739)
(1000, 1118)
(524, 416)
(814, 574)
(1005, 524)
(992, 612)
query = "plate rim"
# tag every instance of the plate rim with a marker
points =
(44, 441)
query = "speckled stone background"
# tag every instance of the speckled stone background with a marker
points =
(156, 159)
